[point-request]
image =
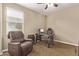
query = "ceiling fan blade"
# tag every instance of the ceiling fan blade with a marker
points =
(56, 5)
(40, 3)
(46, 7)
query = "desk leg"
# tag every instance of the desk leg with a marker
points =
(33, 40)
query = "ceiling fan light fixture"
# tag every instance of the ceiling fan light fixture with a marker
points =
(50, 4)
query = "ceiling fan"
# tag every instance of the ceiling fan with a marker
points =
(47, 5)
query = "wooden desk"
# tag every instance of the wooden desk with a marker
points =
(32, 36)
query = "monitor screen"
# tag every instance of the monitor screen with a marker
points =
(41, 30)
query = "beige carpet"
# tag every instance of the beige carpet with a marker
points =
(59, 49)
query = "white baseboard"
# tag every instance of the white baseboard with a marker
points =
(4, 50)
(66, 43)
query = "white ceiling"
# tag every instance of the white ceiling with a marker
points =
(40, 7)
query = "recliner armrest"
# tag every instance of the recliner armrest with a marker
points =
(14, 48)
(14, 43)
(28, 40)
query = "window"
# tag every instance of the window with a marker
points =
(15, 20)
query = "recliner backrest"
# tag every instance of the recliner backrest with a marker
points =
(16, 36)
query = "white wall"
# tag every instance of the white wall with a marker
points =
(33, 22)
(65, 23)
(0, 28)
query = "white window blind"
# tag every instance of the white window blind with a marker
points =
(15, 20)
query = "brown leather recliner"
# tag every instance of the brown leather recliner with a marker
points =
(18, 45)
